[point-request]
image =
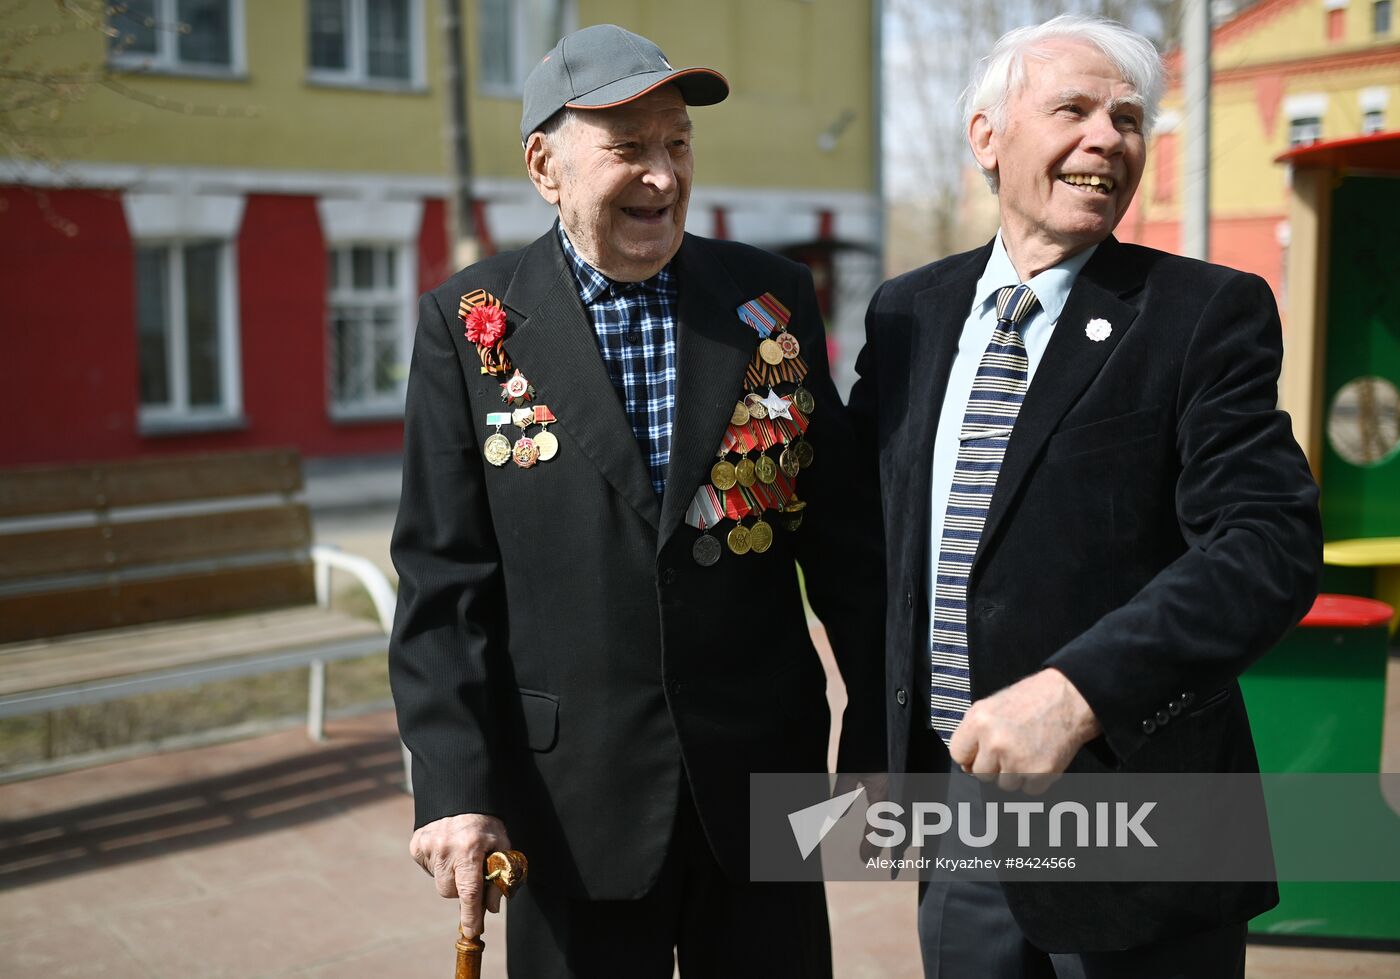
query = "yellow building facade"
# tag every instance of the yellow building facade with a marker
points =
(1285, 73)
(795, 136)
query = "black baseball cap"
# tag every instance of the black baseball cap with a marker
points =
(602, 66)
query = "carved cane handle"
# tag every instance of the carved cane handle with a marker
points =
(507, 870)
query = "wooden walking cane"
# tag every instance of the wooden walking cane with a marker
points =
(507, 872)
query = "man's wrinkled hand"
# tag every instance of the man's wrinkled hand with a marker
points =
(453, 851)
(1024, 735)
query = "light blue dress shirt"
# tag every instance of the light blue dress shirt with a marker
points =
(1052, 288)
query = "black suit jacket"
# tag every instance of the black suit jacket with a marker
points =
(1154, 529)
(558, 657)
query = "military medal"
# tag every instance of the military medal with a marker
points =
(760, 536)
(802, 399)
(788, 461)
(753, 403)
(740, 415)
(705, 550)
(778, 406)
(517, 390)
(738, 539)
(497, 448)
(705, 511)
(524, 452)
(779, 354)
(760, 533)
(523, 418)
(746, 440)
(722, 474)
(805, 453)
(745, 472)
(766, 469)
(546, 442)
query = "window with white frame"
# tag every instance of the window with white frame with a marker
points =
(1304, 130)
(369, 299)
(514, 35)
(366, 42)
(1373, 103)
(196, 36)
(186, 332)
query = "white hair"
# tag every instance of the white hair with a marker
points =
(552, 129)
(1003, 72)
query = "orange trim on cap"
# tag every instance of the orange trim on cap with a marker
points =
(665, 81)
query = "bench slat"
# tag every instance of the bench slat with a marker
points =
(224, 635)
(59, 662)
(33, 490)
(33, 616)
(113, 546)
(100, 691)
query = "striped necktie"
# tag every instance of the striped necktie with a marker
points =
(997, 393)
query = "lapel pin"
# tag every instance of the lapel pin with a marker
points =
(1098, 330)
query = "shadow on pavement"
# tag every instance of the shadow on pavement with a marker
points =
(198, 813)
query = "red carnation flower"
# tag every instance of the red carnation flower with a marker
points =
(486, 325)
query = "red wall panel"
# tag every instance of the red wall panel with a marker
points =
(68, 381)
(1249, 244)
(67, 322)
(435, 262)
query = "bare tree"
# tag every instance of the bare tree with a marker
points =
(36, 87)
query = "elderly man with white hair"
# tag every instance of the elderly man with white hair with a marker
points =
(1096, 517)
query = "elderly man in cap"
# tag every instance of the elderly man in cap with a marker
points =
(1098, 517)
(619, 442)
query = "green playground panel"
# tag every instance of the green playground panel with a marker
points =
(1317, 704)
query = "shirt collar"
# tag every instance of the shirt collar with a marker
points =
(1051, 287)
(593, 285)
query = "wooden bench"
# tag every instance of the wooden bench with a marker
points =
(126, 578)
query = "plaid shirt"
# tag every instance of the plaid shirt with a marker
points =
(636, 327)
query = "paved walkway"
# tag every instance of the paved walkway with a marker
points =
(276, 857)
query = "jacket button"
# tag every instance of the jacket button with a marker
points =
(1163, 717)
(668, 576)
(1187, 699)
(1149, 726)
(1174, 708)
(909, 599)
(900, 697)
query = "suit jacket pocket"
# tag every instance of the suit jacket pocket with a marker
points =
(1110, 433)
(541, 712)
